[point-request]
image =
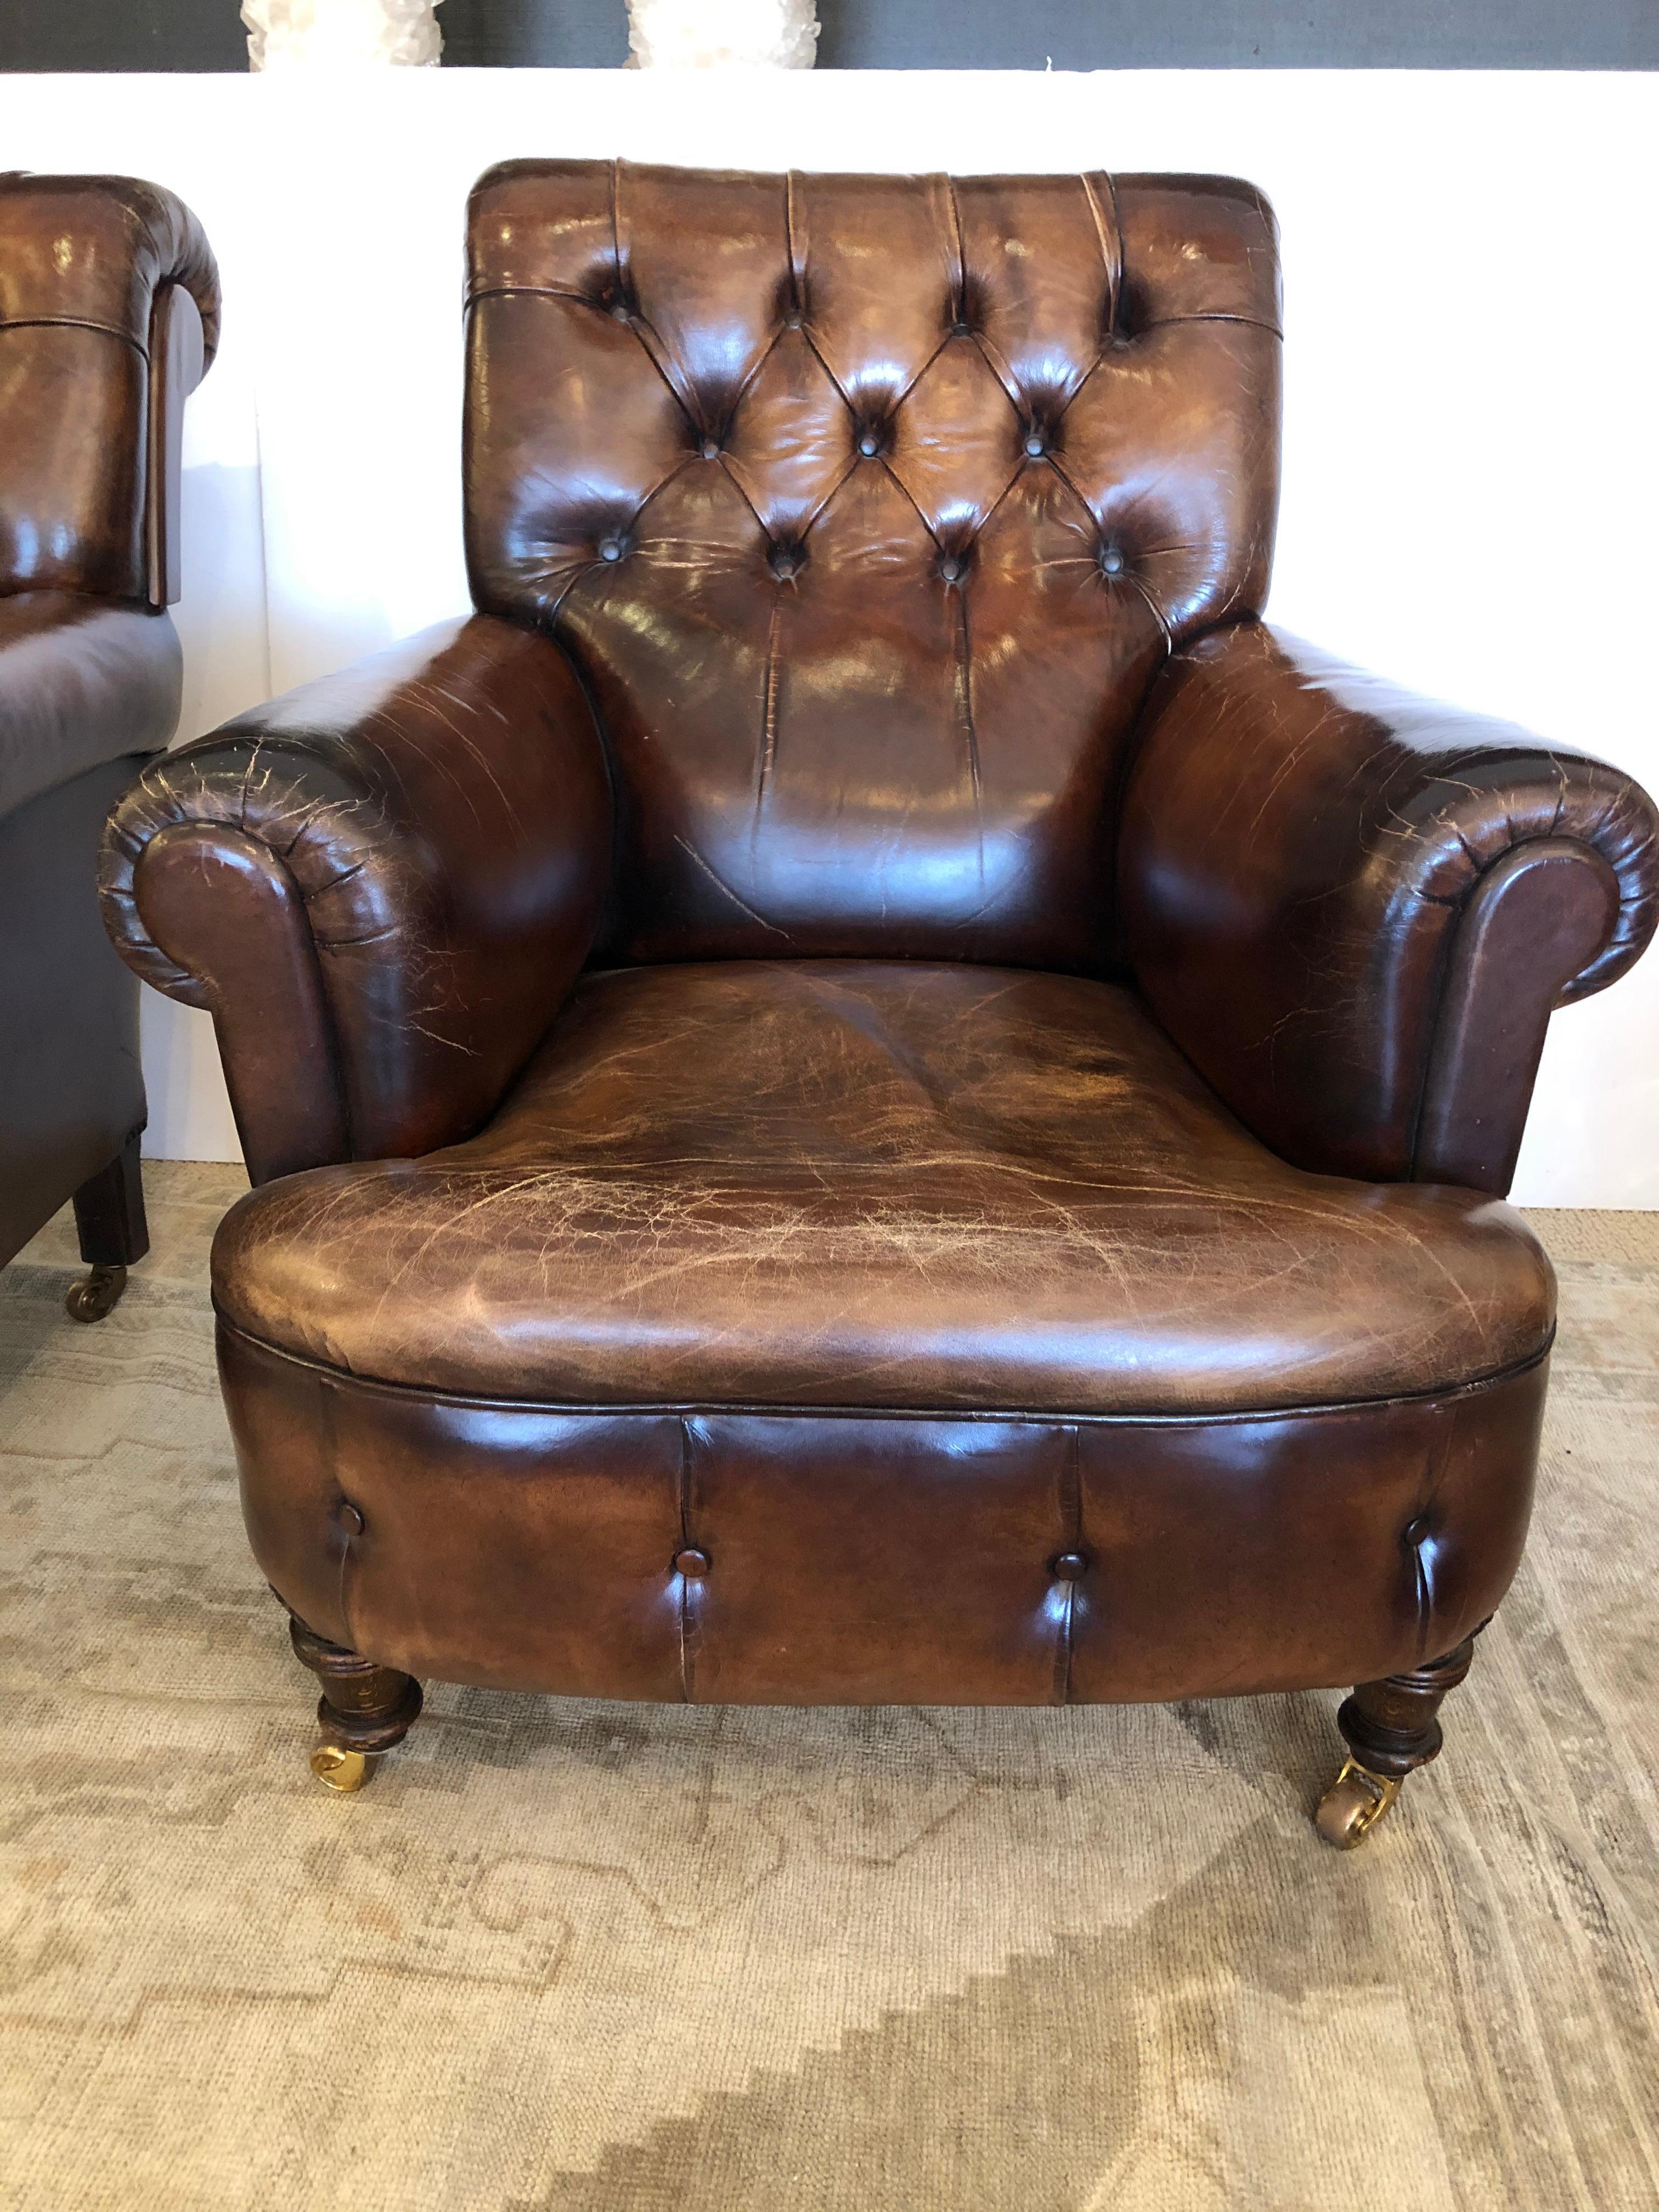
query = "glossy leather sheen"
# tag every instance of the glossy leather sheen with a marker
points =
(901, 1101)
(868, 508)
(1309, 860)
(799, 1183)
(108, 313)
(416, 852)
(857, 1557)
(95, 360)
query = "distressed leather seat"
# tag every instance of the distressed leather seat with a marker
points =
(863, 1087)
(840, 1183)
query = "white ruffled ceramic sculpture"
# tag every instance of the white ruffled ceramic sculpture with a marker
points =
(708, 33)
(324, 33)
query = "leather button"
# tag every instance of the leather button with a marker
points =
(710, 449)
(610, 549)
(869, 444)
(1035, 444)
(1068, 1566)
(691, 1563)
(1415, 1531)
(950, 569)
(785, 563)
(1111, 561)
(960, 330)
(351, 1519)
(792, 320)
(621, 313)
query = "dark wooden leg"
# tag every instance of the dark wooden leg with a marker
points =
(364, 1709)
(1391, 1728)
(109, 1214)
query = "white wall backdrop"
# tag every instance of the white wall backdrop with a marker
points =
(1471, 461)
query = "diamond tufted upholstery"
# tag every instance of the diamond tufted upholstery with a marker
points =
(863, 1086)
(1017, 436)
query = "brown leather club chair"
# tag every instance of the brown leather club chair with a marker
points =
(862, 1089)
(108, 313)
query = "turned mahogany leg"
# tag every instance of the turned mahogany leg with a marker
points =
(109, 1216)
(1390, 1726)
(364, 1709)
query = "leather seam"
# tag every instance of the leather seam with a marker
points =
(326, 1388)
(584, 300)
(1043, 1417)
(1121, 278)
(1173, 322)
(1434, 1478)
(1071, 1517)
(78, 322)
(791, 253)
(685, 1486)
(957, 245)
(1111, 262)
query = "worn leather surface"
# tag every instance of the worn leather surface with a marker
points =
(868, 506)
(418, 848)
(840, 1184)
(751, 1556)
(1302, 848)
(81, 681)
(858, 1287)
(91, 356)
(108, 313)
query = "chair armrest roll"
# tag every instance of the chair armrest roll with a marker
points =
(382, 884)
(1354, 909)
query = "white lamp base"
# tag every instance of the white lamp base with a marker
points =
(332, 33)
(715, 33)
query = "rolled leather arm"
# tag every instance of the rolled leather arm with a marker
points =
(382, 885)
(1354, 909)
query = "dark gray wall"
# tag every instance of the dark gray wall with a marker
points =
(1074, 34)
(121, 34)
(536, 34)
(1083, 34)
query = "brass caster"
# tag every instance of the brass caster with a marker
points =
(337, 1766)
(1354, 1804)
(96, 1294)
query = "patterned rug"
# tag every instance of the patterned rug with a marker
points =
(573, 1958)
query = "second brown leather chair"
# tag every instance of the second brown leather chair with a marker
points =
(863, 1088)
(109, 308)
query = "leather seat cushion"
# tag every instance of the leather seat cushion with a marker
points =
(882, 1185)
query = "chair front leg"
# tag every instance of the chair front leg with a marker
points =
(364, 1709)
(109, 1219)
(1391, 1728)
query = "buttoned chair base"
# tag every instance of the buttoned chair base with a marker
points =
(458, 1385)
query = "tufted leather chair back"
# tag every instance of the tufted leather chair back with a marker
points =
(868, 506)
(109, 313)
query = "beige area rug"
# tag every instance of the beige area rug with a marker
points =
(568, 1958)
